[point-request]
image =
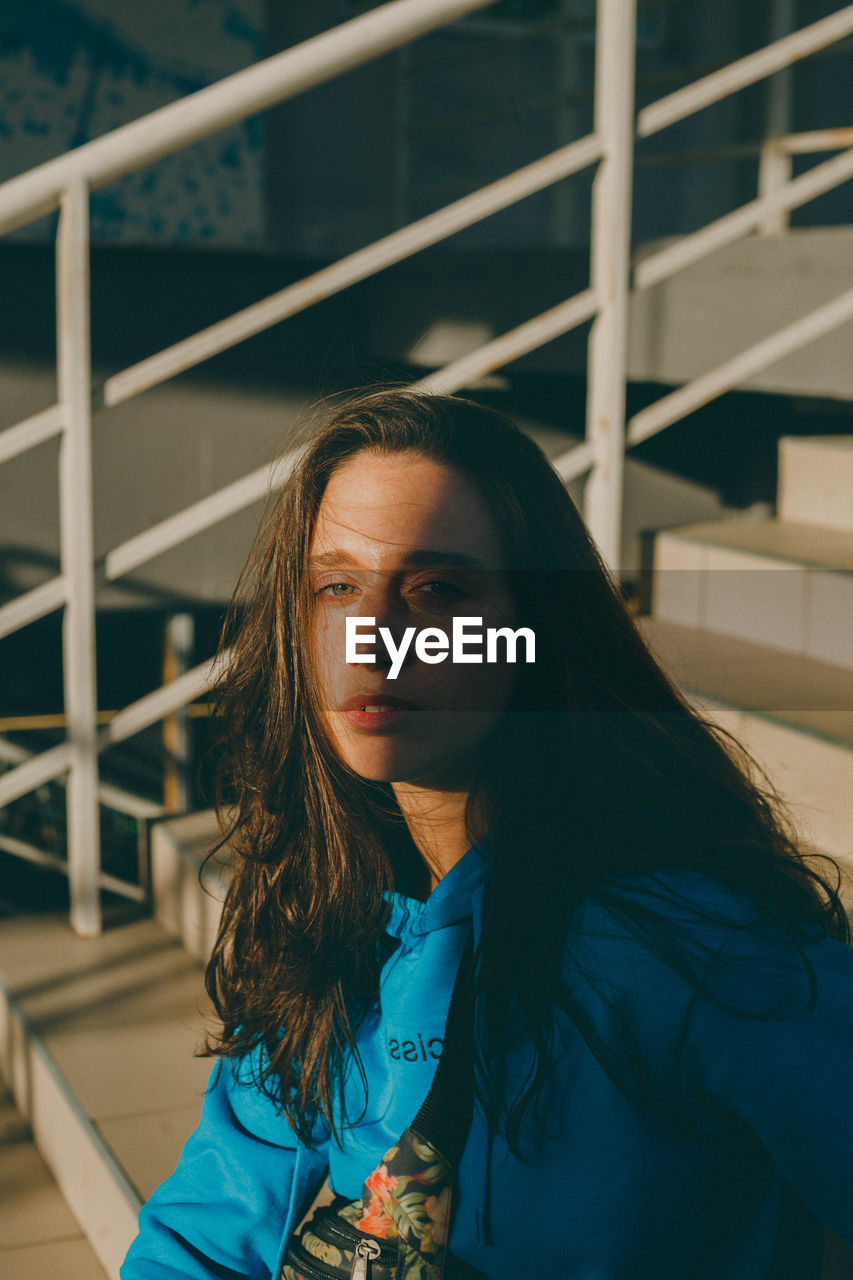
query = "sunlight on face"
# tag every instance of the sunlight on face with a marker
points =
(410, 543)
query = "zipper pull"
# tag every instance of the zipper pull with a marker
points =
(364, 1250)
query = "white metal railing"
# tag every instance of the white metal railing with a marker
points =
(66, 182)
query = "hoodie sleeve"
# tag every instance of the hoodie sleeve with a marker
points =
(242, 1182)
(725, 1022)
(784, 1064)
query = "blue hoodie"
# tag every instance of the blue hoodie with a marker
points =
(748, 1140)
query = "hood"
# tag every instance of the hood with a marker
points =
(450, 903)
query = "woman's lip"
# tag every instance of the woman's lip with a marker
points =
(376, 712)
(361, 700)
(377, 721)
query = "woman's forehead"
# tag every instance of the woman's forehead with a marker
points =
(401, 507)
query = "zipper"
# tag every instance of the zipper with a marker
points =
(367, 1250)
(303, 1268)
(388, 1250)
(364, 1250)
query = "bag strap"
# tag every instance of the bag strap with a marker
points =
(445, 1114)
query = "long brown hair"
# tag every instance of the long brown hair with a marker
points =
(598, 770)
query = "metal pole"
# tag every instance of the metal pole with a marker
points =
(178, 641)
(75, 480)
(774, 172)
(775, 167)
(610, 262)
(566, 122)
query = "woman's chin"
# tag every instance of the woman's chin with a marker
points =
(391, 762)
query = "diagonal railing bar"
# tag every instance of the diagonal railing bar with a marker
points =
(12, 753)
(32, 431)
(802, 144)
(42, 858)
(33, 772)
(745, 71)
(201, 515)
(33, 605)
(509, 346)
(356, 266)
(162, 702)
(575, 461)
(126, 802)
(734, 226)
(111, 796)
(32, 853)
(788, 144)
(230, 100)
(746, 364)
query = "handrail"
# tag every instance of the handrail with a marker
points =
(733, 373)
(228, 101)
(509, 346)
(791, 144)
(33, 605)
(111, 796)
(734, 226)
(201, 515)
(745, 71)
(356, 266)
(162, 702)
(38, 769)
(32, 431)
(41, 858)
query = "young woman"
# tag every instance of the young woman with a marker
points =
(662, 1034)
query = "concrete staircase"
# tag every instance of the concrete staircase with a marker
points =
(39, 1236)
(755, 620)
(97, 1043)
(98, 1038)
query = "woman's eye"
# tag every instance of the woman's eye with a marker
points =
(439, 588)
(336, 589)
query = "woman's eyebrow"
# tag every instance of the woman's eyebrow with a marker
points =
(420, 556)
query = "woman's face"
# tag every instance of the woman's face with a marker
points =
(409, 543)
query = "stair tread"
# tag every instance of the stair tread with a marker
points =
(39, 1234)
(812, 696)
(821, 442)
(121, 1017)
(783, 540)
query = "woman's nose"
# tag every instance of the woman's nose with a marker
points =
(384, 605)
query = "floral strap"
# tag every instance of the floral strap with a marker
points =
(407, 1198)
(399, 1228)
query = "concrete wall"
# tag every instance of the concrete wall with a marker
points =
(391, 141)
(71, 70)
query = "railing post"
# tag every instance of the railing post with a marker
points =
(178, 640)
(77, 550)
(610, 266)
(775, 166)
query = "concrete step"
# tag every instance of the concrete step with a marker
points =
(794, 714)
(97, 1043)
(39, 1235)
(710, 312)
(187, 885)
(775, 583)
(816, 481)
